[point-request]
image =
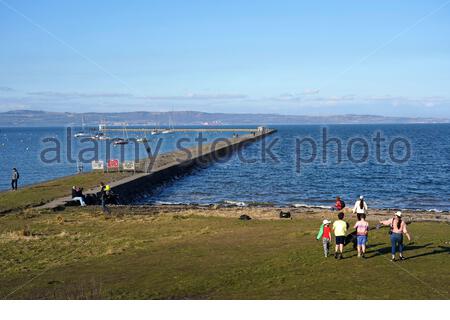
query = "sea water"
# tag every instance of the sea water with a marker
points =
(387, 178)
(407, 167)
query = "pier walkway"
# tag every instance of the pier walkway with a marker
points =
(175, 130)
(155, 170)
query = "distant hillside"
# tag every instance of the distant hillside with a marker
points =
(24, 118)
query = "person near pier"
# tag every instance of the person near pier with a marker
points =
(398, 228)
(14, 179)
(360, 206)
(77, 195)
(103, 197)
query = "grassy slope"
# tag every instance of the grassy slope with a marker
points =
(86, 256)
(44, 192)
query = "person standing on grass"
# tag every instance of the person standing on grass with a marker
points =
(14, 179)
(103, 196)
(362, 230)
(360, 206)
(398, 228)
(326, 237)
(340, 230)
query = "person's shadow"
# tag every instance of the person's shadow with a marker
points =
(441, 249)
(349, 253)
(407, 247)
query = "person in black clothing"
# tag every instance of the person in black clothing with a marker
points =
(103, 197)
(77, 195)
(14, 179)
(79, 192)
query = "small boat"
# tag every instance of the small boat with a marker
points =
(155, 131)
(82, 133)
(99, 136)
(171, 127)
(142, 140)
(120, 141)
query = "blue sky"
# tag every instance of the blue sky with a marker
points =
(290, 57)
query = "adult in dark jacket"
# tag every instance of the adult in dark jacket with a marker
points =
(14, 179)
(103, 198)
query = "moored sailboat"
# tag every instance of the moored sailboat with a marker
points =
(122, 141)
(82, 133)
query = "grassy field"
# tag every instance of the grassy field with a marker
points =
(44, 192)
(79, 254)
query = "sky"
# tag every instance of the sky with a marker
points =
(379, 57)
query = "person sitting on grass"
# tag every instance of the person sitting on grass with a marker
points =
(398, 228)
(340, 230)
(362, 230)
(77, 195)
(339, 205)
(325, 235)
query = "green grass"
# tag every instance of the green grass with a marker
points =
(42, 193)
(80, 254)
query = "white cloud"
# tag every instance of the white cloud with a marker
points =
(291, 97)
(287, 97)
(430, 101)
(200, 96)
(295, 103)
(296, 96)
(189, 96)
(77, 95)
(6, 89)
(310, 91)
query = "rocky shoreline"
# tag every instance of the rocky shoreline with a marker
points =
(272, 212)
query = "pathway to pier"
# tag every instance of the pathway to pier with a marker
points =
(148, 130)
(168, 160)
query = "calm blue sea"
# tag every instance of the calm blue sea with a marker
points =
(407, 167)
(28, 149)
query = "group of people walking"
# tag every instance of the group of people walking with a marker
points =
(340, 228)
